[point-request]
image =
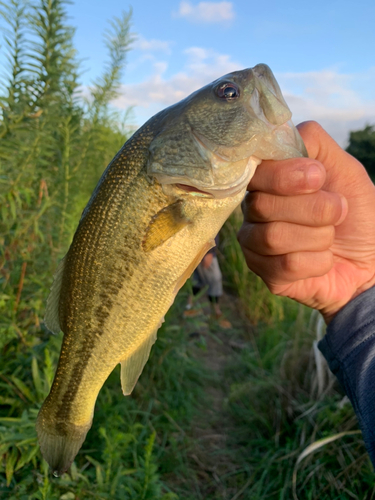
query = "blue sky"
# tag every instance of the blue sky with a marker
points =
(322, 52)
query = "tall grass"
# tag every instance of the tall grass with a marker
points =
(279, 413)
(54, 146)
(293, 426)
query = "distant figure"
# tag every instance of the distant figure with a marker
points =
(208, 274)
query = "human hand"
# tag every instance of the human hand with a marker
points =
(312, 237)
(207, 260)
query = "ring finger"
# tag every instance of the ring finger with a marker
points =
(277, 238)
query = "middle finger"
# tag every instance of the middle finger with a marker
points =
(316, 209)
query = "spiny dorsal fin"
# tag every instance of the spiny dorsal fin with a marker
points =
(165, 224)
(51, 319)
(131, 368)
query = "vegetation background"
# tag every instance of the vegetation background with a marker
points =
(251, 413)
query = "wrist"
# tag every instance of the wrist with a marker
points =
(329, 313)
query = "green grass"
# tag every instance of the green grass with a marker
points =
(262, 400)
(282, 398)
(216, 414)
(133, 440)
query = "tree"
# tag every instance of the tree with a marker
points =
(362, 147)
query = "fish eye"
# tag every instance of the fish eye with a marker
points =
(228, 91)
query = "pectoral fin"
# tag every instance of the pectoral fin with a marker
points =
(131, 368)
(165, 224)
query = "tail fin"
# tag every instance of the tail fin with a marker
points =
(59, 447)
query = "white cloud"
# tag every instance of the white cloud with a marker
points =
(339, 102)
(334, 99)
(206, 12)
(152, 45)
(158, 91)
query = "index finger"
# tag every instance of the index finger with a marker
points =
(288, 177)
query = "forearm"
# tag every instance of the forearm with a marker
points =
(349, 347)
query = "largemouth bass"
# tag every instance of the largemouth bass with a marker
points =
(152, 217)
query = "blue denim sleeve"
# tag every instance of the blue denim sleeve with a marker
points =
(349, 348)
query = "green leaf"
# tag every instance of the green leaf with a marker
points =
(27, 456)
(10, 463)
(23, 388)
(36, 377)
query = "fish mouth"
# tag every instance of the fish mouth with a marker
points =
(227, 191)
(192, 189)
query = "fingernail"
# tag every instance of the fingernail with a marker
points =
(344, 209)
(314, 177)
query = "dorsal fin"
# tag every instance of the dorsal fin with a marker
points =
(51, 318)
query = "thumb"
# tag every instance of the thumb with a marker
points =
(345, 174)
(348, 177)
(319, 144)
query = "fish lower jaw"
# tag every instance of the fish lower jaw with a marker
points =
(240, 185)
(186, 186)
(212, 193)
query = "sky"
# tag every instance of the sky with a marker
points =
(321, 52)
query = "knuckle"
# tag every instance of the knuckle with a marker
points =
(312, 128)
(273, 288)
(244, 236)
(290, 263)
(324, 209)
(291, 180)
(274, 236)
(280, 182)
(260, 206)
(241, 236)
(245, 205)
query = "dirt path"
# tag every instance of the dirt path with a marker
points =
(216, 348)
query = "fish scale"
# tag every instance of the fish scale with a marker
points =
(151, 219)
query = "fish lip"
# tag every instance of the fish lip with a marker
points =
(212, 193)
(225, 191)
(191, 189)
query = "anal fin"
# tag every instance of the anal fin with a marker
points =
(131, 368)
